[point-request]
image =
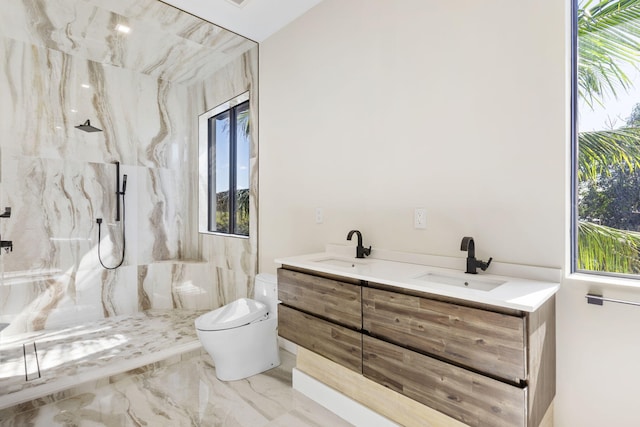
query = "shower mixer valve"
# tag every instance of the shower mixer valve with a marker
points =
(7, 245)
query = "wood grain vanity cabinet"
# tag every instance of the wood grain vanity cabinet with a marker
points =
(482, 340)
(322, 314)
(483, 365)
(480, 364)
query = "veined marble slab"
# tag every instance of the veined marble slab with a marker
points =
(64, 64)
(72, 356)
(163, 41)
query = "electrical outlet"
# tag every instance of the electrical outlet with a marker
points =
(319, 216)
(420, 218)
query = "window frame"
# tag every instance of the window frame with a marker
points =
(207, 167)
(600, 277)
(573, 231)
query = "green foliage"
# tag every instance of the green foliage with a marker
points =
(607, 249)
(613, 200)
(599, 150)
(608, 160)
(607, 34)
(634, 118)
(242, 212)
(243, 122)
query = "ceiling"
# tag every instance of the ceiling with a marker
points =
(255, 19)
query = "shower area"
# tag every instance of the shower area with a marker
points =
(139, 73)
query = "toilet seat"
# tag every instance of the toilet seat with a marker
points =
(238, 313)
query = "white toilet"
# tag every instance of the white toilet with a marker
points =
(242, 337)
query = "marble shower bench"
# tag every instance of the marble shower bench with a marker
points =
(65, 362)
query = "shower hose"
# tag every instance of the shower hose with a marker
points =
(124, 238)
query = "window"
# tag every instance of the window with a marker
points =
(226, 132)
(606, 137)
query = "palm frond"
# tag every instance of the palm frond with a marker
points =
(607, 249)
(609, 32)
(599, 150)
(243, 122)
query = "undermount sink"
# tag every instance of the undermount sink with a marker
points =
(476, 283)
(341, 262)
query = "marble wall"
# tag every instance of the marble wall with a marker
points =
(65, 64)
(235, 259)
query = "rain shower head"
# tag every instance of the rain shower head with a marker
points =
(86, 126)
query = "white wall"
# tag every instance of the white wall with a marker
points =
(370, 108)
(598, 351)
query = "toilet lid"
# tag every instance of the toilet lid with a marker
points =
(240, 312)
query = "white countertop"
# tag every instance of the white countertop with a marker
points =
(517, 293)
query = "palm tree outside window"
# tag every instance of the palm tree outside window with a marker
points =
(606, 137)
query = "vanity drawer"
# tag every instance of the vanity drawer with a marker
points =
(332, 341)
(469, 397)
(482, 340)
(327, 298)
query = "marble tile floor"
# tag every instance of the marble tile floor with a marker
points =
(186, 394)
(143, 369)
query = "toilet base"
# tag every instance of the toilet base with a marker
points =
(243, 352)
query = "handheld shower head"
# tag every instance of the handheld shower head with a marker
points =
(86, 126)
(124, 183)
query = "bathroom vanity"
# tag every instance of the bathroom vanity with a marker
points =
(467, 353)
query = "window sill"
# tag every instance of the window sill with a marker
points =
(608, 281)
(235, 236)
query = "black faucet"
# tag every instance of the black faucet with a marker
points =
(361, 251)
(472, 263)
(7, 245)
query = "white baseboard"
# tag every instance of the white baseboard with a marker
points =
(287, 345)
(341, 405)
